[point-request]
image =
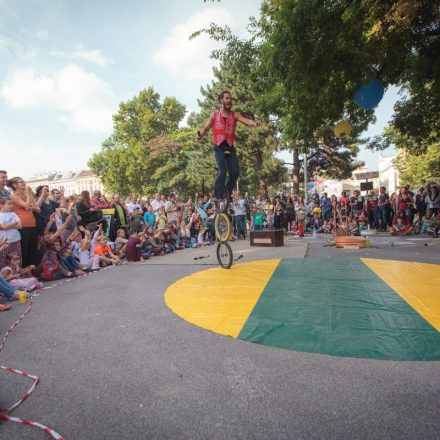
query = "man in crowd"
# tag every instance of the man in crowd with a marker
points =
(98, 201)
(240, 215)
(356, 203)
(120, 213)
(133, 206)
(156, 203)
(172, 210)
(326, 207)
(384, 205)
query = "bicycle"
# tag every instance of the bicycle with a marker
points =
(223, 232)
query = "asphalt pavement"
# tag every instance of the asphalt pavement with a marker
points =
(116, 363)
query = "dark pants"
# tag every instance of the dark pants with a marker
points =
(29, 246)
(278, 221)
(226, 163)
(241, 229)
(385, 217)
(70, 263)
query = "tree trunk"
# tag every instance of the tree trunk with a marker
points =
(296, 171)
(258, 162)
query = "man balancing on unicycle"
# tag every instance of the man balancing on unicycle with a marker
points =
(223, 123)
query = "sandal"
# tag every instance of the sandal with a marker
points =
(4, 307)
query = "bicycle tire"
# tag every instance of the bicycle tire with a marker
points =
(224, 255)
(222, 227)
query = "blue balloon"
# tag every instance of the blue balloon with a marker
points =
(367, 96)
(311, 185)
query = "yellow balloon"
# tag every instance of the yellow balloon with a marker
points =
(342, 129)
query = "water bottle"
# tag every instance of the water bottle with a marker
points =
(314, 234)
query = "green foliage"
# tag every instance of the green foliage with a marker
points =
(129, 158)
(298, 89)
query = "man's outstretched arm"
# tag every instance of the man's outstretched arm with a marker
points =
(247, 121)
(206, 128)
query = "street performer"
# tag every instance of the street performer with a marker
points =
(223, 123)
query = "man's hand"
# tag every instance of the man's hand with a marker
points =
(257, 123)
(199, 136)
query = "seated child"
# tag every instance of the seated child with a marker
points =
(294, 227)
(428, 221)
(168, 238)
(327, 227)
(314, 223)
(121, 242)
(202, 240)
(400, 225)
(156, 243)
(17, 277)
(133, 247)
(52, 266)
(147, 250)
(102, 249)
(185, 234)
(353, 225)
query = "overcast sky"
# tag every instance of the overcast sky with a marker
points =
(66, 64)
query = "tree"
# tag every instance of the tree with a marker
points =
(300, 100)
(128, 159)
(415, 169)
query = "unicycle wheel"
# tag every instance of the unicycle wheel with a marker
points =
(222, 226)
(224, 255)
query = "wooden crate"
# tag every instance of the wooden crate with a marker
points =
(267, 238)
(350, 242)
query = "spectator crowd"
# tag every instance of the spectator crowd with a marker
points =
(45, 235)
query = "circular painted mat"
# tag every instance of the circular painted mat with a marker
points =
(366, 308)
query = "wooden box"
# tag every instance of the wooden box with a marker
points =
(267, 238)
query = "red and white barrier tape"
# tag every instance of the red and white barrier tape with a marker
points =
(5, 412)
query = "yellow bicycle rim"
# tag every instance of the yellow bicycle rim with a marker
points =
(222, 227)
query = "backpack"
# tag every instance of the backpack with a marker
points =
(50, 266)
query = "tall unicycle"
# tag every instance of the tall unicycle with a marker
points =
(223, 232)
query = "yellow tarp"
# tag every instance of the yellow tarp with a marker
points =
(220, 300)
(417, 283)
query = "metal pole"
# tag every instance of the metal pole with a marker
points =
(305, 178)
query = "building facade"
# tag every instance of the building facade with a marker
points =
(388, 177)
(73, 183)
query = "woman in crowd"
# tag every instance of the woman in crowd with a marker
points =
(404, 203)
(289, 213)
(279, 213)
(87, 212)
(25, 206)
(432, 199)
